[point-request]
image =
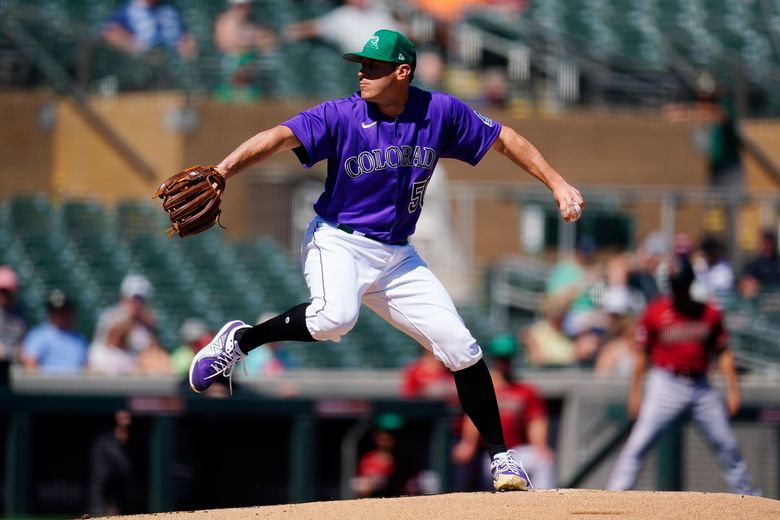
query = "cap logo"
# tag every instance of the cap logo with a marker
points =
(401, 57)
(373, 42)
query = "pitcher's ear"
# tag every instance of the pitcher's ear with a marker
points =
(404, 71)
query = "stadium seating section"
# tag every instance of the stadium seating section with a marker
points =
(67, 27)
(86, 249)
(644, 35)
(640, 30)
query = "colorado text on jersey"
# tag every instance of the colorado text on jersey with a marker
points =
(392, 156)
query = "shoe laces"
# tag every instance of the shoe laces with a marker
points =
(224, 364)
(511, 463)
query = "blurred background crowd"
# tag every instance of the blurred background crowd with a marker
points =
(584, 319)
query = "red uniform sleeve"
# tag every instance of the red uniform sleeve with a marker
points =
(644, 330)
(535, 407)
(718, 340)
(410, 385)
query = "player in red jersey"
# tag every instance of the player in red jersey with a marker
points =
(678, 336)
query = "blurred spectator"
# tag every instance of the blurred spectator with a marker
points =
(54, 346)
(449, 11)
(619, 303)
(617, 353)
(764, 267)
(12, 323)
(430, 70)
(682, 245)
(244, 45)
(112, 489)
(643, 277)
(447, 14)
(142, 25)
(714, 274)
(505, 8)
(569, 284)
(347, 27)
(523, 418)
(725, 142)
(154, 361)
(570, 281)
(716, 133)
(747, 304)
(427, 377)
(377, 469)
(125, 339)
(495, 87)
(545, 340)
(194, 335)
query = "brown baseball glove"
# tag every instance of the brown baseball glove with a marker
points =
(192, 198)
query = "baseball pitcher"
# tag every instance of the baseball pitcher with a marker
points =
(381, 146)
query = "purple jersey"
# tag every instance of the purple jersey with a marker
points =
(378, 166)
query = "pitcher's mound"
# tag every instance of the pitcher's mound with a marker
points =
(575, 504)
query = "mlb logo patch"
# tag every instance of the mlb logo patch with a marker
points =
(485, 119)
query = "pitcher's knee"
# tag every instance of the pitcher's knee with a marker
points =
(452, 342)
(331, 322)
(459, 358)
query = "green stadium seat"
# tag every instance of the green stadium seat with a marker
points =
(136, 218)
(31, 214)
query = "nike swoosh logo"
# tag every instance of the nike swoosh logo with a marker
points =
(369, 125)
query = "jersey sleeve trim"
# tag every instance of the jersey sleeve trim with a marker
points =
(458, 110)
(489, 144)
(301, 152)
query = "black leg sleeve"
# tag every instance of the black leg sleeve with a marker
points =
(288, 326)
(478, 399)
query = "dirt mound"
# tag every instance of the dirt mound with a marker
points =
(578, 504)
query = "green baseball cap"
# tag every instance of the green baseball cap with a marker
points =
(389, 422)
(503, 346)
(386, 45)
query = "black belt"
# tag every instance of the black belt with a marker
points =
(687, 374)
(352, 231)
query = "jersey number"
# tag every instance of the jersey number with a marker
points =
(418, 194)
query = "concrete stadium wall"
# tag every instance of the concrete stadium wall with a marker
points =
(766, 135)
(83, 163)
(602, 148)
(26, 134)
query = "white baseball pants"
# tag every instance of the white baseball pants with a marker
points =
(667, 396)
(343, 270)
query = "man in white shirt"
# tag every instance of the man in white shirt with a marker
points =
(347, 26)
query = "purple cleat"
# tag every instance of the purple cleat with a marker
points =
(508, 474)
(217, 358)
